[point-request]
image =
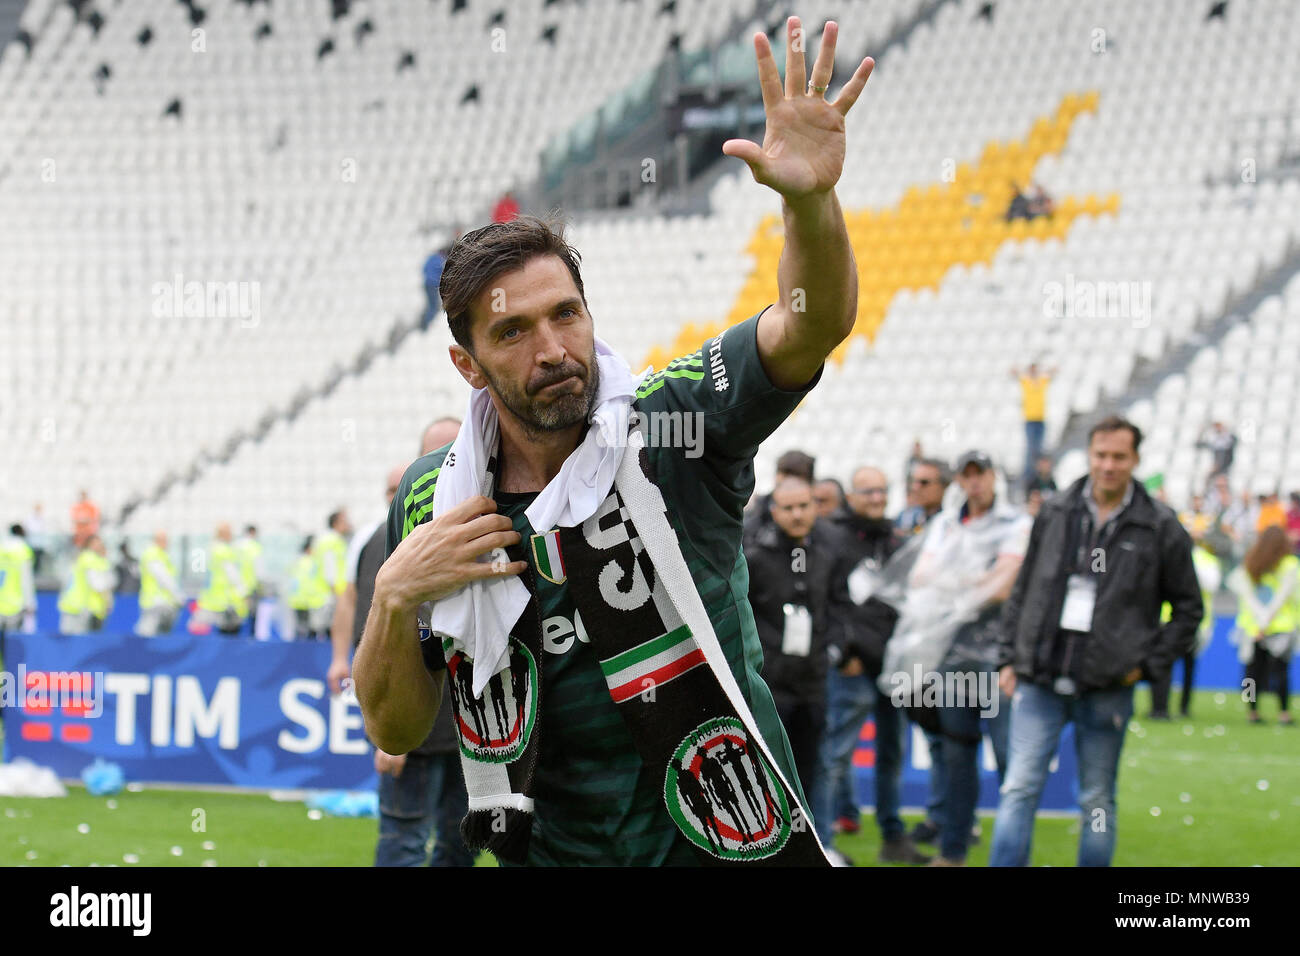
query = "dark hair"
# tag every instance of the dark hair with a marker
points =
(478, 257)
(334, 516)
(939, 465)
(1271, 547)
(1114, 423)
(17, 530)
(251, 529)
(796, 463)
(832, 481)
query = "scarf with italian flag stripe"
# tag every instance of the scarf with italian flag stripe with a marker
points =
(665, 671)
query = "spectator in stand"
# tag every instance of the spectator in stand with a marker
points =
(1041, 480)
(85, 520)
(1218, 497)
(1222, 445)
(1271, 513)
(926, 486)
(1019, 205)
(1033, 398)
(1293, 522)
(828, 497)
(36, 536)
(1081, 627)
(1267, 585)
(1039, 202)
(507, 208)
(1196, 519)
(1240, 518)
(432, 276)
(868, 541)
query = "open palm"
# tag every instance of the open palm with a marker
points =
(803, 144)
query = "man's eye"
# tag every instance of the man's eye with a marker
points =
(568, 312)
(509, 333)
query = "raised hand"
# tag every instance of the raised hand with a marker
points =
(803, 145)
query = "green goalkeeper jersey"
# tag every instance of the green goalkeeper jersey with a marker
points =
(704, 416)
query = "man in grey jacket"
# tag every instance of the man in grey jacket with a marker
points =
(1082, 627)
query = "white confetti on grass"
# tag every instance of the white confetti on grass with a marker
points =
(314, 814)
(1188, 820)
(209, 862)
(112, 804)
(1220, 699)
(209, 845)
(31, 854)
(1155, 811)
(83, 828)
(130, 858)
(1262, 785)
(1185, 797)
(177, 851)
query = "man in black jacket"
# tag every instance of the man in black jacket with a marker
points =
(867, 541)
(791, 562)
(1082, 626)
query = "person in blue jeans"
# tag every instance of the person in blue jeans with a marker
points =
(851, 700)
(967, 567)
(868, 540)
(1082, 626)
(420, 793)
(1100, 721)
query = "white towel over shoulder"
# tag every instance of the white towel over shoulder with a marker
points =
(479, 617)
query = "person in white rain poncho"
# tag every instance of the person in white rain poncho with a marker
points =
(940, 662)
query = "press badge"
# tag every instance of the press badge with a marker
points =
(796, 640)
(1080, 597)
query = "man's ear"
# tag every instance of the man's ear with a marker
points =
(467, 367)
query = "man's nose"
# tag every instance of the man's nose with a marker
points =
(550, 349)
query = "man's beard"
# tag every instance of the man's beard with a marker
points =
(538, 417)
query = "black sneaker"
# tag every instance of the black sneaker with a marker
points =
(901, 850)
(924, 832)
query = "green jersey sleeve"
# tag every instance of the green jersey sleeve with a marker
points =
(412, 506)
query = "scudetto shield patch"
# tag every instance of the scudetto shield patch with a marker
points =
(495, 727)
(723, 796)
(547, 557)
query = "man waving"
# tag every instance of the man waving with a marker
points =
(585, 593)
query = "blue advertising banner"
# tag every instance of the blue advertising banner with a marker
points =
(184, 709)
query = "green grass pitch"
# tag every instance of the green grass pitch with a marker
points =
(1208, 791)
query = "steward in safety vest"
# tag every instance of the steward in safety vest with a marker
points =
(223, 603)
(17, 590)
(160, 595)
(309, 597)
(86, 601)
